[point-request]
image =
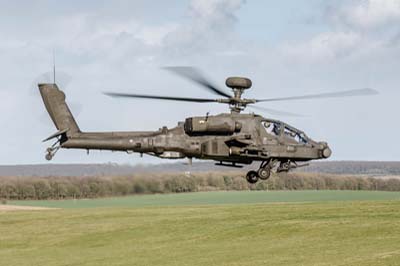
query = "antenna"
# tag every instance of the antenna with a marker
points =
(54, 67)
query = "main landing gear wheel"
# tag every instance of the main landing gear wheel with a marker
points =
(264, 173)
(252, 177)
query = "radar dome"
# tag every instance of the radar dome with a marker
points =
(238, 83)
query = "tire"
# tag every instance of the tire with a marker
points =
(252, 177)
(49, 156)
(264, 173)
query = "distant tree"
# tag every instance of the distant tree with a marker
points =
(25, 190)
(42, 189)
(139, 188)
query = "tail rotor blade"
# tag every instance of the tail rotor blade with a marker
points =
(63, 80)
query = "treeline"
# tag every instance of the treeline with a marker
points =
(41, 188)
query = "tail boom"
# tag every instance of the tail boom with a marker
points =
(70, 136)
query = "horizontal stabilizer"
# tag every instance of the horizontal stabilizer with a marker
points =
(55, 135)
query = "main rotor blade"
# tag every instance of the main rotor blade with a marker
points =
(183, 99)
(348, 93)
(195, 75)
(275, 112)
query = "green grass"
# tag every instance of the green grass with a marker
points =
(312, 228)
(207, 198)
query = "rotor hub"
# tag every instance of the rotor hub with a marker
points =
(238, 85)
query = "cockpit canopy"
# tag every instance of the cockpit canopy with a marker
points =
(280, 129)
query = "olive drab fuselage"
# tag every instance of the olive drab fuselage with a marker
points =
(239, 138)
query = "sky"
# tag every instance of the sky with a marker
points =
(285, 47)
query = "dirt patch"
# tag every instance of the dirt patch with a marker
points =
(22, 208)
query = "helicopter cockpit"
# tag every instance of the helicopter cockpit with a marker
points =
(280, 129)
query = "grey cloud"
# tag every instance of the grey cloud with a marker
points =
(210, 27)
(354, 29)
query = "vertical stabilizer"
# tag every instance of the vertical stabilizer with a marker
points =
(54, 100)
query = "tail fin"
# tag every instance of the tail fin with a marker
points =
(54, 100)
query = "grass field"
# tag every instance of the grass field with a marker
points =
(207, 198)
(266, 228)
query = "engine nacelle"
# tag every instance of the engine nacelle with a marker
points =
(211, 126)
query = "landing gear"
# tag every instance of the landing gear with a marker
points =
(264, 173)
(265, 169)
(51, 151)
(48, 156)
(252, 177)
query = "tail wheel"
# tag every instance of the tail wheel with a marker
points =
(264, 173)
(252, 177)
(49, 156)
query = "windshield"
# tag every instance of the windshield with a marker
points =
(278, 128)
(295, 134)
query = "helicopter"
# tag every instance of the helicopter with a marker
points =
(231, 139)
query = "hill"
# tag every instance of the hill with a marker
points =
(331, 167)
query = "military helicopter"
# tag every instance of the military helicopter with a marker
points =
(231, 139)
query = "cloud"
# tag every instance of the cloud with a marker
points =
(210, 28)
(324, 46)
(355, 29)
(88, 36)
(216, 14)
(370, 14)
